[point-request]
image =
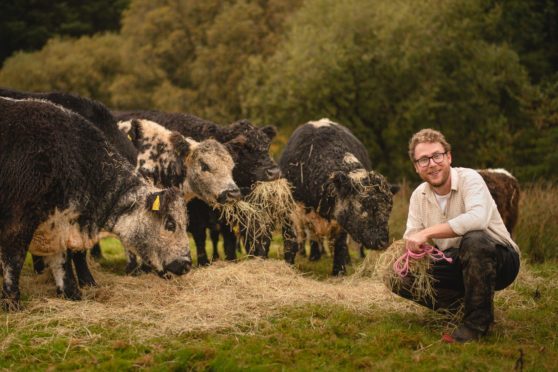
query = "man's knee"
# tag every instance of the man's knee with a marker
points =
(477, 241)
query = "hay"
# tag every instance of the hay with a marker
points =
(381, 268)
(267, 206)
(238, 297)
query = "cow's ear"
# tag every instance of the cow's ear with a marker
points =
(235, 145)
(394, 188)
(135, 134)
(270, 131)
(160, 201)
(181, 145)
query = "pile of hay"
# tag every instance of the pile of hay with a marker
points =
(381, 268)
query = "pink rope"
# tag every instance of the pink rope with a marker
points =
(401, 266)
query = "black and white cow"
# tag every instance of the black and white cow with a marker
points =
(62, 184)
(331, 175)
(249, 147)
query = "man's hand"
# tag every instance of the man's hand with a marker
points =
(413, 242)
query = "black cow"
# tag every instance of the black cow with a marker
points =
(331, 175)
(252, 164)
(62, 184)
(99, 115)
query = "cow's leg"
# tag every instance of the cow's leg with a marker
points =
(13, 257)
(61, 266)
(199, 238)
(316, 249)
(38, 263)
(95, 252)
(290, 242)
(340, 254)
(85, 278)
(132, 267)
(214, 235)
(229, 242)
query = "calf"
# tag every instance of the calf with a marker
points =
(331, 174)
(249, 146)
(504, 189)
(62, 184)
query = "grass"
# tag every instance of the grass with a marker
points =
(265, 316)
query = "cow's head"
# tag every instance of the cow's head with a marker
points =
(363, 203)
(209, 167)
(153, 225)
(249, 146)
(200, 169)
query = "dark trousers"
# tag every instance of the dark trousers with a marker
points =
(480, 266)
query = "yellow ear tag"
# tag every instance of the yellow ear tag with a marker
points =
(129, 137)
(156, 204)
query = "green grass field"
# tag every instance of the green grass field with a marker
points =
(263, 315)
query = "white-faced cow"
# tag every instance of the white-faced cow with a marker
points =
(331, 174)
(504, 188)
(249, 147)
(62, 184)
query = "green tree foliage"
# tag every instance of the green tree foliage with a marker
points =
(85, 66)
(28, 24)
(189, 55)
(388, 68)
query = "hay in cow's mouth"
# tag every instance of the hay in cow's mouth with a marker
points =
(267, 206)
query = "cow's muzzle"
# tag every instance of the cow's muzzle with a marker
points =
(230, 195)
(179, 266)
(273, 173)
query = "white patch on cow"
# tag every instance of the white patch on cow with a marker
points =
(56, 265)
(322, 123)
(500, 171)
(350, 159)
(59, 232)
(125, 126)
(7, 274)
(358, 174)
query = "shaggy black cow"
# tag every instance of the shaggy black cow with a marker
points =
(99, 115)
(331, 174)
(250, 152)
(62, 184)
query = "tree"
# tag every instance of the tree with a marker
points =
(27, 25)
(386, 69)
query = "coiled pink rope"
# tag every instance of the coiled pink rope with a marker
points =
(401, 266)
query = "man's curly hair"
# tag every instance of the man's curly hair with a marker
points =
(427, 135)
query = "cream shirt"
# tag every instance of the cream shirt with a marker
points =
(469, 207)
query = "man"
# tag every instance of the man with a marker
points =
(454, 209)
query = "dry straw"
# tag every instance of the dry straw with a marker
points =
(266, 207)
(381, 267)
(237, 297)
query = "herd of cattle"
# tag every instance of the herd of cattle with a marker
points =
(73, 172)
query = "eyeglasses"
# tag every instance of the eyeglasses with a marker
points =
(437, 157)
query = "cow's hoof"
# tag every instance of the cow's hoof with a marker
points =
(203, 261)
(73, 294)
(314, 257)
(87, 282)
(339, 272)
(9, 304)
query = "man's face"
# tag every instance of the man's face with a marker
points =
(435, 174)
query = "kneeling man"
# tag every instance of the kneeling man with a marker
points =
(454, 209)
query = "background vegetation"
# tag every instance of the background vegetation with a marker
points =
(483, 72)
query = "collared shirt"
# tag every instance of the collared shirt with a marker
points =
(469, 207)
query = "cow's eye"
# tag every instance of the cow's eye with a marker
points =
(204, 167)
(170, 224)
